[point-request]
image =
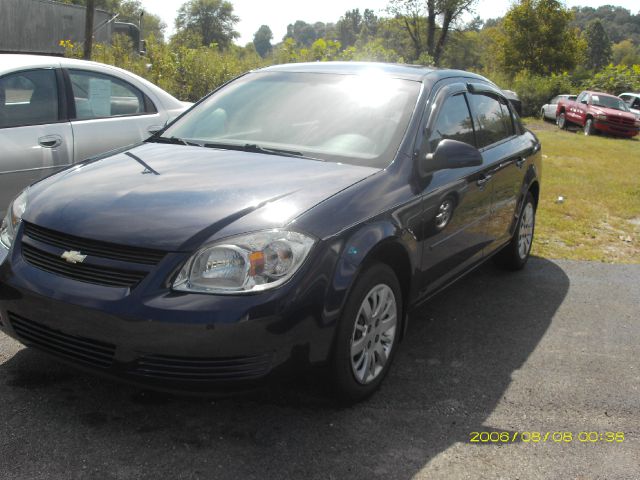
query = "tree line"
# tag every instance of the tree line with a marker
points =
(539, 48)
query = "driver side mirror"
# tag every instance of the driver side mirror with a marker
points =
(450, 154)
(584, 100)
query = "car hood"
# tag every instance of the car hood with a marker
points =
(613, 112)
(174, 197)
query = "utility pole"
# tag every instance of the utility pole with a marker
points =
(88, 29)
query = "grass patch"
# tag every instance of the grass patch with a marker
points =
(599, 178)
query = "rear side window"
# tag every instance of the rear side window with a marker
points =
(98, 96)
(453, 122)
(28, 98)
(492, 124)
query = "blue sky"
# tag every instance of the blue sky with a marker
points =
(279, 13)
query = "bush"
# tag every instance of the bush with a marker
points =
(615, 80)
(535, 90)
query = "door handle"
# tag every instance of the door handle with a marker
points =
(520, 162)
(154, 129)
(483, 180)
(50, 141)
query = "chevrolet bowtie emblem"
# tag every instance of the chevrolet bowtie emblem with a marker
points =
(72, 256)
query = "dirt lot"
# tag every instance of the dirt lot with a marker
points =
(554, 348)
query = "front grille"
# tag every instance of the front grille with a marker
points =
(203, 369)
(82, 272)
(621, 121)
(93, 247)
(80, 349)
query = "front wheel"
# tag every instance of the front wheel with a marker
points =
(515, 255)
(588, 127)
(561, 121)
(367, 334)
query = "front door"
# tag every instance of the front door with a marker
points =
(456, 202)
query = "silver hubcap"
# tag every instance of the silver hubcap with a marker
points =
(525, 234)
(444, 214)
(373, 333)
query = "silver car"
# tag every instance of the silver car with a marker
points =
(58, 111)
(548, 111)
(633, 102)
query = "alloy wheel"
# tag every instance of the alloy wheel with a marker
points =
(525, 233)
(373, 333)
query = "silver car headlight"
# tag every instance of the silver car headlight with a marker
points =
(246, 263)
(12, 219)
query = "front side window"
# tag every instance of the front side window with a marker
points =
(489, 118)
(582, 97)
(99, 96)
(28, 98)
(453, 122)
(358, 119)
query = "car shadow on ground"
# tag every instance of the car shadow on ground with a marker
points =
(461, 352)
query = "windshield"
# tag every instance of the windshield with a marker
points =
(609, 102)
(358, 119)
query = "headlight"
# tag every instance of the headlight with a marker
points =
(12, 219)
(246, 263)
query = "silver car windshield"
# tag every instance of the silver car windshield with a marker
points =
(358, 119)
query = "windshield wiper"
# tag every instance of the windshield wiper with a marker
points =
(173, 141)
(254, 148)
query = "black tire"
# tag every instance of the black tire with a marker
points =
(561, 121)
(346, 386)
(542, 117)
(589, 128)
(512, 256)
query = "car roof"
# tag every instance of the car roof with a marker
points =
(600, 94)
(405, 71)
(631, 94)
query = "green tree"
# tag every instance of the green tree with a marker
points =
(423, 20)
(213, 20)
(302, 33)
(349, 27)
(150, 24)
(598, 52)
(626, 53)
(535, 36)
(262, 40)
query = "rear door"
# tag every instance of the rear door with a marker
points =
(35, 135)
(108, 112)
(456, 201)
(505, 152)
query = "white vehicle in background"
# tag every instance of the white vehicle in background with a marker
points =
(55, 112)
(548, 111)
(633, 102)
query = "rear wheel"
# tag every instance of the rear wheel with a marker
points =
(515, 255)
(367, 334)
(542, 117)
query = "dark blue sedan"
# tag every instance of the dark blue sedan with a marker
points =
(290, 219)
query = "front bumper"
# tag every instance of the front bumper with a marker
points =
(165, 339)
(616, 128)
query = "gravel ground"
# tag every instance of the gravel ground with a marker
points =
(554, 348)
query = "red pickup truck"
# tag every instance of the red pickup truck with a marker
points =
(595, 111)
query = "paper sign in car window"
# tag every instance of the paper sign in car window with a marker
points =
(100, 96)
(595, 98)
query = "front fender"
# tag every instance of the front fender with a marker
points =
(358, 247)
